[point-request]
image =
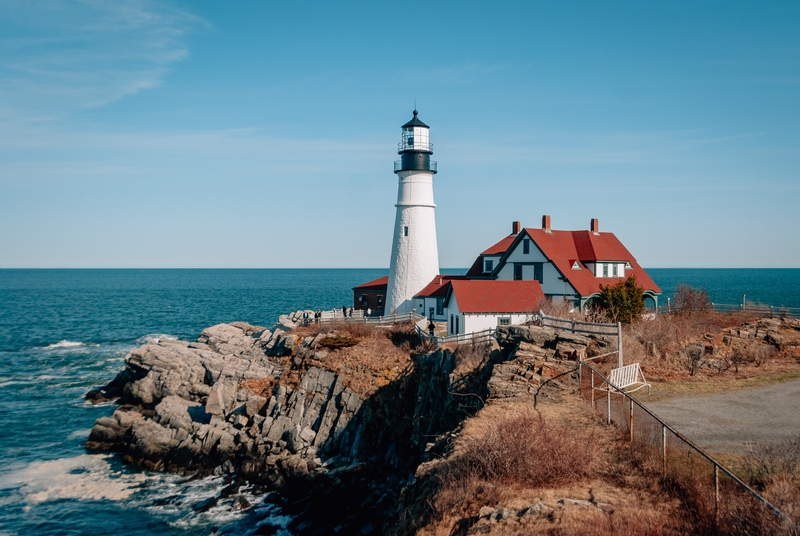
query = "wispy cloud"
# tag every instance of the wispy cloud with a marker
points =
(65, 55)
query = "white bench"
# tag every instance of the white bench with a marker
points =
(628, 376)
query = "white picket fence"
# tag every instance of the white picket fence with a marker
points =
(358, 317)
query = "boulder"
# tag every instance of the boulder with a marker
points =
(218, 401)
(173, 412)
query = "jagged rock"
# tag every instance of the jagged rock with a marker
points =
(531, 334)
(151, 442)
(110, 433)
(218, 401)
(508, 381)
(254, 405)
(240, 503)
(293, 467)
(526, 350)
(285, 323)
(575, 502)
(177, 413)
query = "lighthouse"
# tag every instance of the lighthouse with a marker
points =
(415, 255)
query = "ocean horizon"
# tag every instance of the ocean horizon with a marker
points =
(65, 331)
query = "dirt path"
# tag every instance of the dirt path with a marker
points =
(729, 422)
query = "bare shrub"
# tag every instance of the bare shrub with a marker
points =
(774, 470)
(689, 300)
(773, 459)
(358, 329)
(470, 356)
(694, 357)
(520, 450)
(338, 341)
(560, 309)
(405, 336)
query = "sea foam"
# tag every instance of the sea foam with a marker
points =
(84, 477)
(64, 344)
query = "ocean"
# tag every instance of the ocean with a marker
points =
(64, 332)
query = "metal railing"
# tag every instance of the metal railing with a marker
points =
(757, 308)
(718, 499)
(405, 146)
(358, 317)
(461, 338)
(578, 326)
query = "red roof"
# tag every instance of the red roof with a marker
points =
(501, 247)
(491, 296)
(562, 248)
(378, 284)
(438, 286)
(476, 270)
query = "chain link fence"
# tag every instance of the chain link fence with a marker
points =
(717, 500)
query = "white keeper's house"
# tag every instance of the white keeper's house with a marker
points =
(508, 281)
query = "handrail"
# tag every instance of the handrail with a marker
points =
(458, 338)
(404, 146)
(697, 449)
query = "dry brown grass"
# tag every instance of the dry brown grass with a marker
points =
(470, 357)
(675, 348)
(370, 358)
(259, 386)
(521, 450)
(647, 520)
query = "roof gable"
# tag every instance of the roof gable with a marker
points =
(563, 248)
(492, 296)
(376, 284)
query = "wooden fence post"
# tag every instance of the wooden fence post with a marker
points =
(630, 399)
(619, 344)
(608, 401)
(716, 495)
(664, 446)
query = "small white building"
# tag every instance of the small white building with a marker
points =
(476, 305)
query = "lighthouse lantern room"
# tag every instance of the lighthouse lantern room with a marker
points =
(415, 256)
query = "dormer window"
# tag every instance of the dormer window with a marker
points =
(488, 265)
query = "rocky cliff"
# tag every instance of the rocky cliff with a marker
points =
(273, 407)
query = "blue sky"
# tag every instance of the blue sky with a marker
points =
(262, 134)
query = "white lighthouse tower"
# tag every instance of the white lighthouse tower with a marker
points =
(415, 255)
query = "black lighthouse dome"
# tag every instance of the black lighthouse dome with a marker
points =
(415, 149)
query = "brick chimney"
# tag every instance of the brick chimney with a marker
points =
(546, 223)
(515, 228)
(595, 226)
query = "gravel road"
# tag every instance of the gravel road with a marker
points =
(732, 421)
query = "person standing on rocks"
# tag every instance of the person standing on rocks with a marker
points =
(344, 311)
(350, 312)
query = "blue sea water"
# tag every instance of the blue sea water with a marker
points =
(64, 332)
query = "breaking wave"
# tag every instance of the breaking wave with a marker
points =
(84, 477)
(156, 338)
(65, 344)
